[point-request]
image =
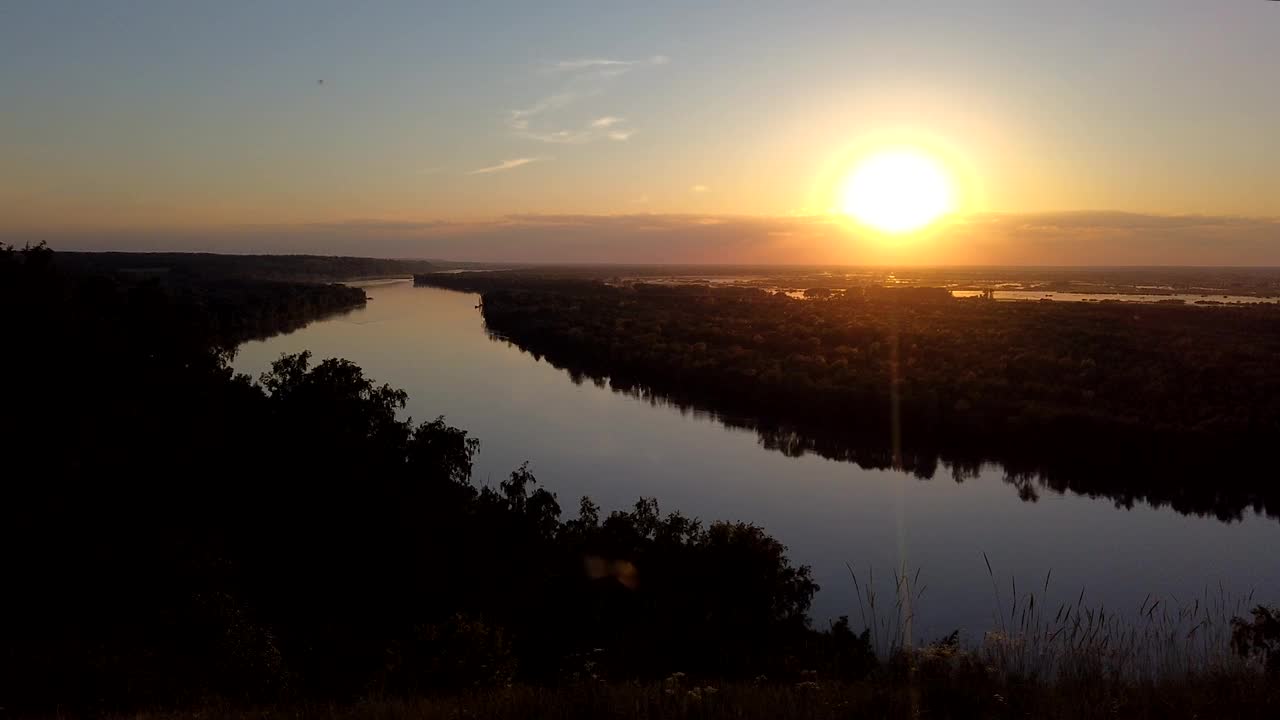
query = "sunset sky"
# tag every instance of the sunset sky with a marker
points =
(1099, 132)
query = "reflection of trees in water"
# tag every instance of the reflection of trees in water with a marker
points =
(1179, 484)
(172, 531)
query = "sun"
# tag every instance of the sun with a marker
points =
(897, 190)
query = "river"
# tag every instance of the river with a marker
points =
(583, 439)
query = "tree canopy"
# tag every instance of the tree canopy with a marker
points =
(173, 530)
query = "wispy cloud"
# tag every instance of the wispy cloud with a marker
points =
(504, 165)
(699, 189)
(558, 137)
(581, 64)
(579, 136)
(582, 78)
(589, 63)
(519, 119)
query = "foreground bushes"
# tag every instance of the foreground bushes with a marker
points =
(170, 531)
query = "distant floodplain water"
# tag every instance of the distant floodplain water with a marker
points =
(581, 439)
(1187, 298)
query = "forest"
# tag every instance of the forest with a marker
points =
(1167, 404)
(173, 531)
(284, 268)
(218, 304)
(1207, 283)
(179, 540)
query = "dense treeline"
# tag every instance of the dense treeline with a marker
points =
(291, 268)
(227, 302)
(173, 534)
(239, 310)
(1167, 404)
(1204, 282)
(172, 531)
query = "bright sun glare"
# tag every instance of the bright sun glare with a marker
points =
(897, 191)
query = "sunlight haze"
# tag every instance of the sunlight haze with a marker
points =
(673, 132)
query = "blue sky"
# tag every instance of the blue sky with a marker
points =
(207, 116)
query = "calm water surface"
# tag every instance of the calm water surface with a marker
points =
(581, 439)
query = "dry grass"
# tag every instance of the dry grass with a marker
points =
(1205, 697)
(1161, 639)
(1164, 659)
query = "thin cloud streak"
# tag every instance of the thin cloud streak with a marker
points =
(586, 77)
(519, 119)
(576, 137)
(504, 165)
(588, 63)
(560, 137)
(581, 64)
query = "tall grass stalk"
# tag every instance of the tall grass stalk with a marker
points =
(1160, 639)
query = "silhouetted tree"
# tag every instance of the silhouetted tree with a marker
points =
(170, 530)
